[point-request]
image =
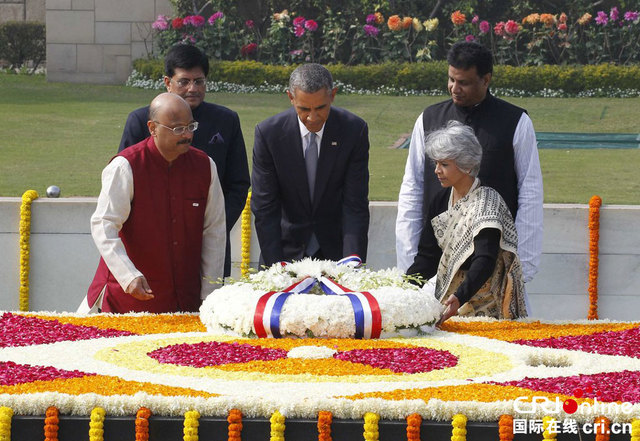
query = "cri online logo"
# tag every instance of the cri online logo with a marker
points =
(545, 404)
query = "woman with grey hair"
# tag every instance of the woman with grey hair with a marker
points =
(470, 241)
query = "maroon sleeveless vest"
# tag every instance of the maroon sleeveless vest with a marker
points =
(163, 234)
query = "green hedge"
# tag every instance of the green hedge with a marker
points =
(22, 43)
(424, 76)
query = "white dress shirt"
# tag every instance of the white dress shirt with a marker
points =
(114, 206)
(530, 197)
(304, 134)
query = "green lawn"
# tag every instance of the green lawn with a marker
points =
(64, 134)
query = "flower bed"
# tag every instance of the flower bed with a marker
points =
(167, 363)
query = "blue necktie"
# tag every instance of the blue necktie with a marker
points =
(311, 162)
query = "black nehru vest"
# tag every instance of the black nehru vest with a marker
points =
(494, 122)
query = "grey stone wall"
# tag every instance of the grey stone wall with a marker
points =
(22, 10)
(96, 41)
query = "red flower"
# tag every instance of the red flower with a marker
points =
(562, 27)
(311, 25)
(249, 24)
(298, 31)
(511, 27)
(176, 23)
(298, 21)
(248, 49)
(498, 29)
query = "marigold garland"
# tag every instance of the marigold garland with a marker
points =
(235, 425)
(277, 426)
(413, 427)
(96, 425)
(246, 237)
(505, 428)
(191, 424)
(594, 237)
(602, 425)
(550, 428)
(142, 424)
(6, 413)
(325, 419)
(635, 430)
(371, 432)
(459, 431)
(51, 422)
(25, 234)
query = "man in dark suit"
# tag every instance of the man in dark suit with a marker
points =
(310, 178)
(218, 135)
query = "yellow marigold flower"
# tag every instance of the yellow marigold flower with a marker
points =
(431, 24)
(407, 22)
(379, 18)
(586, 18)
(458, 18)
(531, 19)
(417, 26)
(394, 23)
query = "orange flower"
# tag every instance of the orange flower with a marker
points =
(394, 23)
(379, 18)
(586, 18)
(51, 422)
(458, 18)
(602, 428)
(594, 237)
(505, 428)
(235, 425)
(407, 22)
(548, 19)
(531, 19)
(413, 427)
(324, 425)
(142, 424)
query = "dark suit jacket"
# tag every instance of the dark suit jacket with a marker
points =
(219, 136)
(284, 215)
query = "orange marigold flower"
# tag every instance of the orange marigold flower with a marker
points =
(586, 18)
(407, 22)
(531, 19)
(394, 23)
(379, 18)
(458, 18)
(548, 19)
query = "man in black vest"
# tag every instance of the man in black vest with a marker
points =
(510, 161)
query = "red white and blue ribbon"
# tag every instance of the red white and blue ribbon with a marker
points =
(266, 320)
(366, 310)
(353, 261)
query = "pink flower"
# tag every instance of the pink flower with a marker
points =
(562, 27)
(602, 18)
(161, 23)
(470, 38)
(176, 23)
(629, 15)
(298, 21)
(194, 20)
(484, 26)
(371, 31)
(498, 29)
(215, 17)
(298, 31)
(614, 14)
(511, 27)
(475, 19)
(296, 52)
(371, 18)
(249, 24)
(311, 25)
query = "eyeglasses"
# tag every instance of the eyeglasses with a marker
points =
(185, 82)
(192, 127)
